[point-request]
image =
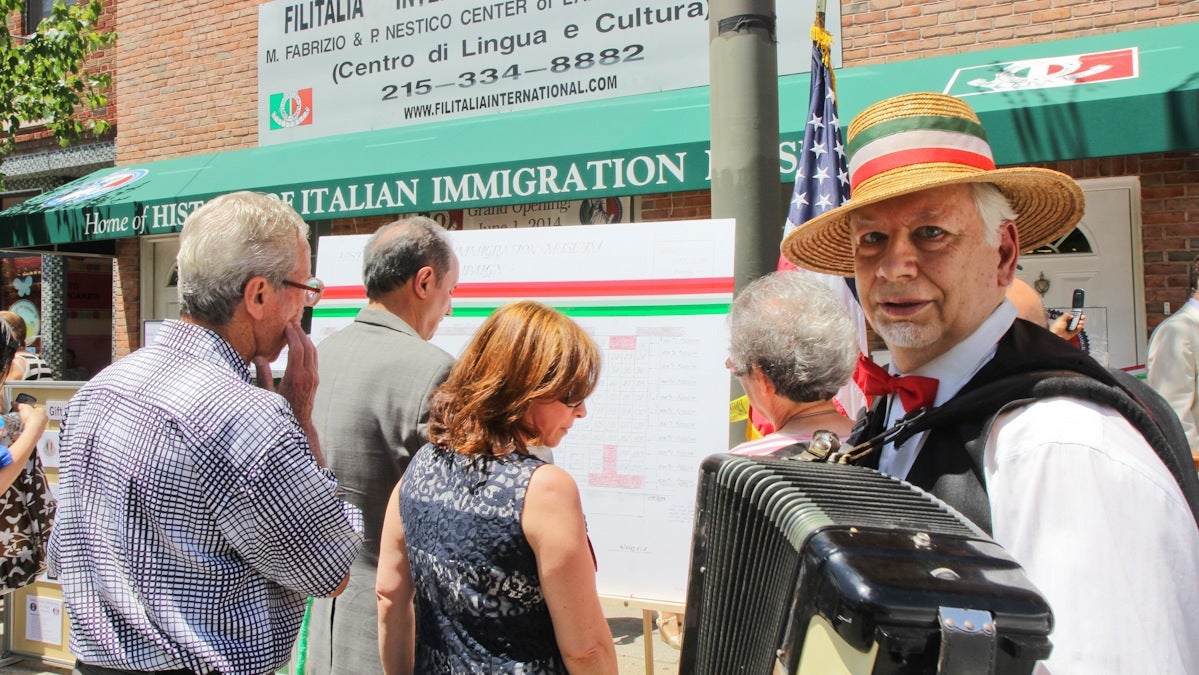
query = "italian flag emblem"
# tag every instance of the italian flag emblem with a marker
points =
(291, 109)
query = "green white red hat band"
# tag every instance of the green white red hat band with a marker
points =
(911, 141)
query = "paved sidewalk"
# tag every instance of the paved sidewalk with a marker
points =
(624, 622)
(31, 666)
(626, 625)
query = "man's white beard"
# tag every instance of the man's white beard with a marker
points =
(906, 335)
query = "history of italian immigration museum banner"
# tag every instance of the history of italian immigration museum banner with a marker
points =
(330, 67)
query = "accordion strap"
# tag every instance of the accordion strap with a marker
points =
(968, 642)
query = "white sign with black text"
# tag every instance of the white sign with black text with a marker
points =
(330, 67)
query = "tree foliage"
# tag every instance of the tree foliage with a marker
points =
(43, 78)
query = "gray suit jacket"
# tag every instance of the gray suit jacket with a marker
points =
(371, 410)
(1174, 366)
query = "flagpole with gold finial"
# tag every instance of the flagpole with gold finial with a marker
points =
(825, 40)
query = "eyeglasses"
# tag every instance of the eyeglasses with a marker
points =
(573, 406)
(313, 288)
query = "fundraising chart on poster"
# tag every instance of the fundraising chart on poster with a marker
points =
(654, 297)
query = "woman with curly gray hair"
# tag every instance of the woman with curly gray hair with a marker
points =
(792, 346)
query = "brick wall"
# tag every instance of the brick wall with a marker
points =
(360, 225)
(126, 298)
(880, 31)
(191, 68)
(680, 206)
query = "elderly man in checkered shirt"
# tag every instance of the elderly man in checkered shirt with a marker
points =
(195, 512)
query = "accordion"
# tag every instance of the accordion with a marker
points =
(808, 567)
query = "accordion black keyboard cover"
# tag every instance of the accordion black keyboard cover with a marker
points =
(779, 543)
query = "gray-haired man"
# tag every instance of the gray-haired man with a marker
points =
(371, 409)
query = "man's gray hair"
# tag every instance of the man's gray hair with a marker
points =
(228, 241)
(792, 327)
(994, 208)
(397, 251)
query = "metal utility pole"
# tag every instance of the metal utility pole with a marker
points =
(743, 65)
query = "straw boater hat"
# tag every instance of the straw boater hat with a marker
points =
(919, 141)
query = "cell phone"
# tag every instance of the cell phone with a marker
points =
(1076, 309)
(22, 398)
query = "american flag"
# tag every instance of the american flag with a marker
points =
(822, 179)
(822, 184)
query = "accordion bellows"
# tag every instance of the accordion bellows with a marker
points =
(801, 567)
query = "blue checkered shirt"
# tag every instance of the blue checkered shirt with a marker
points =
(192, 518)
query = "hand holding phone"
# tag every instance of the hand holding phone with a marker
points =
(12, 422)
(21, 398)
(1076, 309)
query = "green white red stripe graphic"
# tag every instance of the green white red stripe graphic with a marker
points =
(1140, 372)
(917, 140)
(617, 297)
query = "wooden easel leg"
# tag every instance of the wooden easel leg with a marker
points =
(647, 630)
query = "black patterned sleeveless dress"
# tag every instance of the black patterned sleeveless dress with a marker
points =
(479, 607)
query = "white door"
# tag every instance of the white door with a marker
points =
(1102, 257)
(159, 279)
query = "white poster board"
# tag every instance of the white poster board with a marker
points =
(43, 619)
(654, 296)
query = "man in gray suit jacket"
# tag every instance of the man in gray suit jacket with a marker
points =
(372, 405)
(1174, 360)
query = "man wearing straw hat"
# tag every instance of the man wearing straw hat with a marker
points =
(1075, 493)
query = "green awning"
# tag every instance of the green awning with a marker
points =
(647, 144)
(636, 145)
(1157, 110)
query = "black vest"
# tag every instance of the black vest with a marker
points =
(950, 462)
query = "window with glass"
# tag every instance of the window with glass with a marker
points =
(1074, 241)
(36, 10)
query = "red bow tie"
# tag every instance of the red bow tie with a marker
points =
(914, 391)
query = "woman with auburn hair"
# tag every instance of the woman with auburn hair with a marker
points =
(484, 563)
